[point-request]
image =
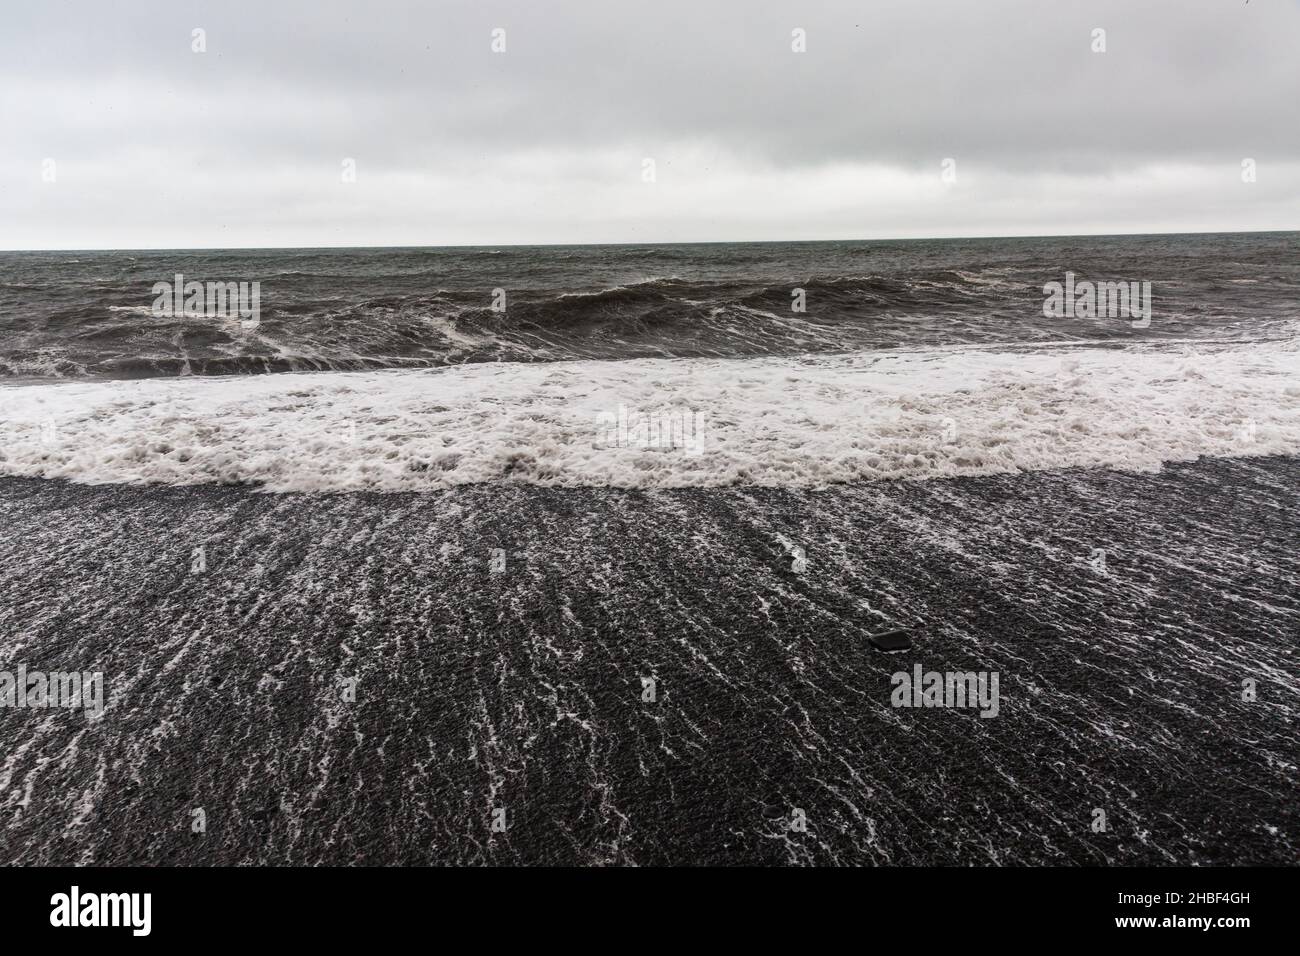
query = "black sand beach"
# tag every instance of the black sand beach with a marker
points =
(476, 690)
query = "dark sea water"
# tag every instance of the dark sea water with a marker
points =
(88, 314)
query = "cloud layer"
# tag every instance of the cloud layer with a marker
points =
(118, 134)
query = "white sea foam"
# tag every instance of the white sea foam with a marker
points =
(767, 421)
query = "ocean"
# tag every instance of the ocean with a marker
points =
(87, 315)
(572, 554)
(792, 364)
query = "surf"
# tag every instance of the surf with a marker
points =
(799, 421)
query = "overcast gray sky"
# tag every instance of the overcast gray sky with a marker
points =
(150, 144)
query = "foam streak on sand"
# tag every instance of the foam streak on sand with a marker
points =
(1120, 684)
(768, 421)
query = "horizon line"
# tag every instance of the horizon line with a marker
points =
(693, 242)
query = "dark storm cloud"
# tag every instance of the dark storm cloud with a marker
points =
(247, 134)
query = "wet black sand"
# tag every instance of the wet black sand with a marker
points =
(1121, 687)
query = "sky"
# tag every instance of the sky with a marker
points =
(386, 122)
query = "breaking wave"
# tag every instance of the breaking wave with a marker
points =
(327, 322)
(783, 421)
